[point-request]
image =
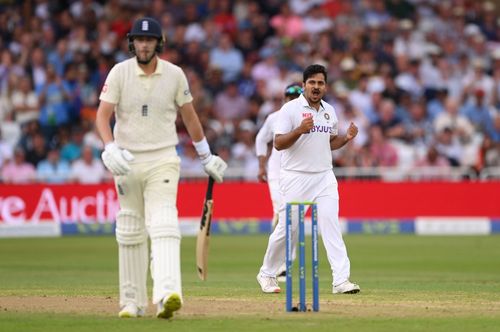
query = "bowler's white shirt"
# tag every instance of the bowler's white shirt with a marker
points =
(311, 152)
(264, 136)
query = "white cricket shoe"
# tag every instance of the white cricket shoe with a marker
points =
(346, 287)
(166, 308)
(268, 284)
(131, 310)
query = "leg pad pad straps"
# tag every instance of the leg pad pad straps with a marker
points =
(130, 228)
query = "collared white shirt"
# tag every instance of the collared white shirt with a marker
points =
(264, 136)
(146, 106)
(311, 152)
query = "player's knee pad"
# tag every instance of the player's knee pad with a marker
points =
(130, 229)
(164, 223)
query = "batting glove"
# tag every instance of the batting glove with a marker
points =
(116, 159)
(215, 167)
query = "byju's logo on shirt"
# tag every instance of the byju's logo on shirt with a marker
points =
(321, 129)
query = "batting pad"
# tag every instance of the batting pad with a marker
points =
(132, 258)
(165, 253)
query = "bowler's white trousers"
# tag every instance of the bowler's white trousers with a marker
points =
(321, 188)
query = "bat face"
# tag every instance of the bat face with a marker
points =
(203, 238)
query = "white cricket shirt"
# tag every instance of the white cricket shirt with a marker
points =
(264, 136)
(146, 106)
(311, 152)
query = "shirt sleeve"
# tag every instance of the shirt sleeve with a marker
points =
(110, 91)
(183, 95)
(283, 123)
(264, 136)
(335, 124)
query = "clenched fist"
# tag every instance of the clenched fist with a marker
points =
(306, 125)
(352, 131)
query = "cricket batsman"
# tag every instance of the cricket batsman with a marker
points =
(145, 93)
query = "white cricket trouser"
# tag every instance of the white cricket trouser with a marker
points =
(274, 191)
(322, 189)
(149, 193)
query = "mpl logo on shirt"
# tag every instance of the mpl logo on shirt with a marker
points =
(306, 115)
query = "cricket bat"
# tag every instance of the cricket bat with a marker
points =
(203, 238)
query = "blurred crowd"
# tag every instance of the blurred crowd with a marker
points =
(420, 78)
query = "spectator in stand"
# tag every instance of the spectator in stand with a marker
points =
(382, 151)
(17, 170)
(392, 126)
(53, 102)
(52, 169)
(8, 67)
(493, 128)
(224, 18)
(316, 21)
(88, 169)
(72, 149)
(448, 144)
(409, 78)
(72, 89)
(60, 57)
(229, 105)
(227, 58)
(25, 102)
(6, 150)
(435, 106)
(37, 68)
(452, 120)
(286, 23)
(246, 85)
(489, 155)
(432, 166)
(418, 127)
(243, 151)
(477, 111)
(478, 79)
(267, 66)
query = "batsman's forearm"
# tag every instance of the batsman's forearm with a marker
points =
(103, 127)
(284, 141)
(192, 122)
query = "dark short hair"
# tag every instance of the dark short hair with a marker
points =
(313, 70)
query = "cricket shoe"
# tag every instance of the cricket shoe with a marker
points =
(166, 308)
(268, 284)
(346, 287)
(131, 310)
(281, 277)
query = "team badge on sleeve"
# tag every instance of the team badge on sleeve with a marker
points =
(104, 88)
(186, 92)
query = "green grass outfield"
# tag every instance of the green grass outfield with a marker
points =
(409, 283)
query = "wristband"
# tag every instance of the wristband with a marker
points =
(202, 148)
